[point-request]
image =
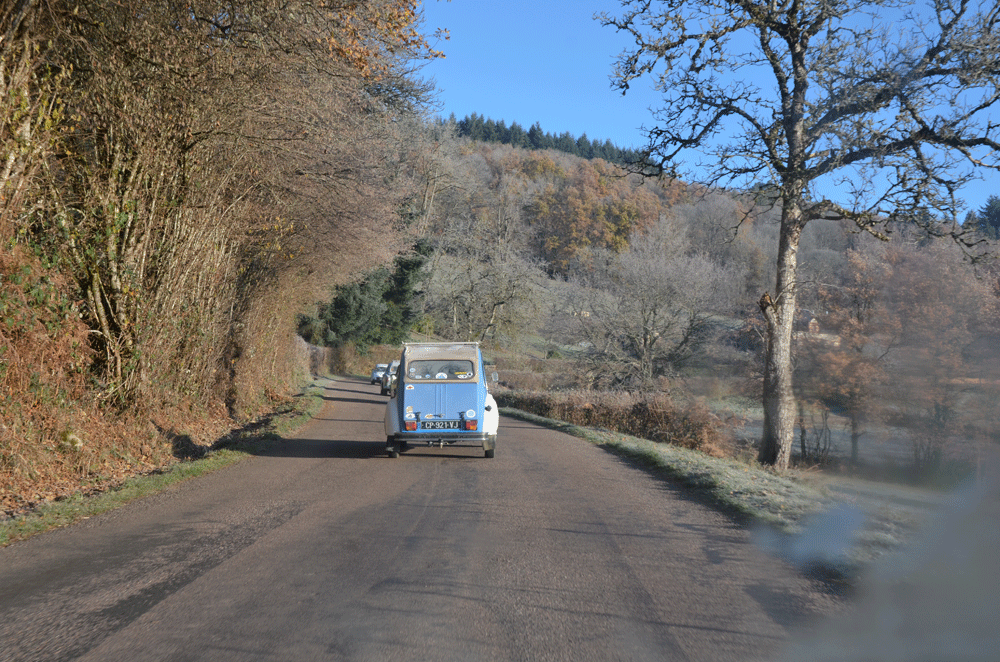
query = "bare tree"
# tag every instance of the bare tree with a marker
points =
(716, 226)
(888, 100)
(481, 281)
(643, 313)
(942, 376)
(845, 368)
(31, 108)
(183, 163)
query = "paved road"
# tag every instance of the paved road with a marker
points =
(324, 549)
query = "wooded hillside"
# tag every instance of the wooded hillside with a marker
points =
(582, 277)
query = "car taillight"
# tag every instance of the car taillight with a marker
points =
(471, 424)
(411, 426)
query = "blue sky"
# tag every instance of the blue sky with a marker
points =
(549, 61)
(544, 61)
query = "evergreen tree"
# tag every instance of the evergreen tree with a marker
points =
(987, 220)
(565, 143)
(518, 136)
(536, 137)
(403, 292)
(356, 312)
(379, 309)
(490, 132)
(473, 126)
(503, 133)
(481, 128)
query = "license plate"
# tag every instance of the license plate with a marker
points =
(440, 425)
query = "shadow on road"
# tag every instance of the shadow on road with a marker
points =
(448, 452)
(336, 392)
(352, 440)
(355, 435)
(324, 448)
(355, 449)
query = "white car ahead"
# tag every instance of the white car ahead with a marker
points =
(378, 372)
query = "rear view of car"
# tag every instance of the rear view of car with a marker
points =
(378, 372)
(441, 398)
(389, 377)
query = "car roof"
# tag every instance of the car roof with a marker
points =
(451, 350)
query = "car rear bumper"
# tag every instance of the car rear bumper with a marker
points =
(441, 436)
(400, 439)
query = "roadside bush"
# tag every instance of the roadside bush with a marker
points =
(654, 416)
(348, 359)
(538, 374)
(526, 380)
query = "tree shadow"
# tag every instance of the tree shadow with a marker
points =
(182, 446)
(257, 438)
(352, 448)
(334, 393)
(323, 448)
(453, 452)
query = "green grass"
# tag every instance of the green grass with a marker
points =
(238, 446)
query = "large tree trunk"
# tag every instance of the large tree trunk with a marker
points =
(778, 396)
(857, 429)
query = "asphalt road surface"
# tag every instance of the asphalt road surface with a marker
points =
(322, 548)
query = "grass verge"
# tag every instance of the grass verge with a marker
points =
(748, 491)
(234, 447)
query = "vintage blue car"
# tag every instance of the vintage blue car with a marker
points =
(440, 397)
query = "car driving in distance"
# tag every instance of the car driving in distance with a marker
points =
(378, 371)
(389, 377)
(440, 398)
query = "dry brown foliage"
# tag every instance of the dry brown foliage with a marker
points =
(347, 360)
(538, 375)
(55, 437)
(165, 215)
(654, 416)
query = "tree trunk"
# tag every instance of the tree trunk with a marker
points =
(779, 313)
(803, 448)
(856, 432)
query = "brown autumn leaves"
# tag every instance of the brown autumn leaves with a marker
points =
(177, 180)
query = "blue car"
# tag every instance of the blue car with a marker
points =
(440, 397)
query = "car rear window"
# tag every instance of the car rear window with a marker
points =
(440, 369)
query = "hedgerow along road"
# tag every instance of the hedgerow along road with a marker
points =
(322, 548)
